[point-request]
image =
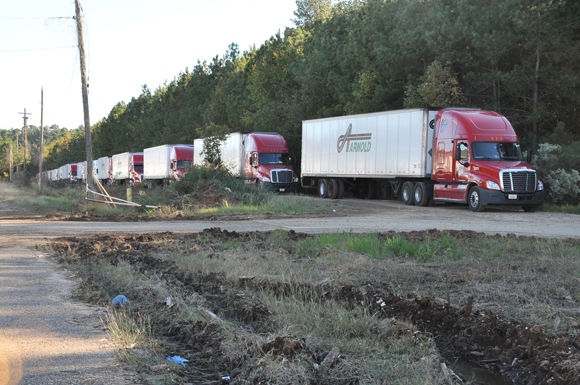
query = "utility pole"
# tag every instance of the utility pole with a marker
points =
(25, 131)
(17, 160)
(88, 140)
(40, 158)
(11, 162)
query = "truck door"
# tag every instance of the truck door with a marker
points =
(462, 170)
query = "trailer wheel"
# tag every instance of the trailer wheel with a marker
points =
(340, 189)
(407, 193)
(420, 195)
(332, 189)
(322, 188)
(474, 200)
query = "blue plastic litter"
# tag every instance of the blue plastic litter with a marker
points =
(178, 360)
(119, 300)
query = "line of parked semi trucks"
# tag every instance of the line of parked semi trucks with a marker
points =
(421, 156)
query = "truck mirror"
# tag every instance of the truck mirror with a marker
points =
(250, 160)
(529, 156)
(457, 153)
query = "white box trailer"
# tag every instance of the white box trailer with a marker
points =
(64, 172)
(104, 169)
(121, 168)
(81, 169)
(156, 162)
(357, 150)
(231, 151)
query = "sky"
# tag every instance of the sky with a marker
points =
(128, 44)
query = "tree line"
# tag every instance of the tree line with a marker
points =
(516, 57)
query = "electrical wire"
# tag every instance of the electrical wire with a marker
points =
(38, 49)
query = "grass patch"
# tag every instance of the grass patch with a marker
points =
(568, 209)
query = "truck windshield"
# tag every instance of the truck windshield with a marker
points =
(496, 151)
(184, 164)
(138, 167)
(274, 158)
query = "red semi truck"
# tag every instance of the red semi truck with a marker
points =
(263, 159)
(455, 155)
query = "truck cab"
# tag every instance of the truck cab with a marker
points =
(136, 168)
(477, 159)
(267, 162)
(181, 160)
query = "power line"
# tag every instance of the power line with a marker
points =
(35, 17)
(38, 49)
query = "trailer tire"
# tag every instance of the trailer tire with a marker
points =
(474, 200)
(332, 188)
(322, 188)
(420, 195)
(407, 193)
(340, 189)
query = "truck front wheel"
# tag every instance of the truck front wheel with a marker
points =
(322, 188)
(407, 193)
(474, 200)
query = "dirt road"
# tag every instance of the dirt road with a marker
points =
(347, 215)
(45, 338)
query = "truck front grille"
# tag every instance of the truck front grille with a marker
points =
(519, 181)
(281, 176)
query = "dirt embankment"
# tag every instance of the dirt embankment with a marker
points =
(525, 353)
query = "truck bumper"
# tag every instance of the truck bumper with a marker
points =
(279, 187)
(492, 197)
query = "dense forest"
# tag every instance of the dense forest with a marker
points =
(518, 57)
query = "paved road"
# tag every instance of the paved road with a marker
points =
(375, 216)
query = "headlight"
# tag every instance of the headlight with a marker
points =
(266, 179)
(492, 185)
(540, 185)
(296, 180)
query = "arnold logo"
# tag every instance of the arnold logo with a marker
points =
(356, 145)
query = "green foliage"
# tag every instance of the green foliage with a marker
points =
(439, 87)
(308, 12)
(557, 166)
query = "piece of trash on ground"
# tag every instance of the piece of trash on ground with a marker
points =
(119, 300)
(178, 360)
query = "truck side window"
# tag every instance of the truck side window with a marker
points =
(464, 149)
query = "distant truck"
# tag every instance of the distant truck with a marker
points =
(166, 163)
(68, 173)
(83, 169)
(464, 156)
(127, 168)
(104, 170)
(262, 159)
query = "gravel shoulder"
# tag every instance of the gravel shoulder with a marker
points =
(45, 338)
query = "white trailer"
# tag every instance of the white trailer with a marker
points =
(358, 151)
(166, 162)
(64, 172)
(121, 168)
(104, 169)
(231, 152)
(81, 169)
